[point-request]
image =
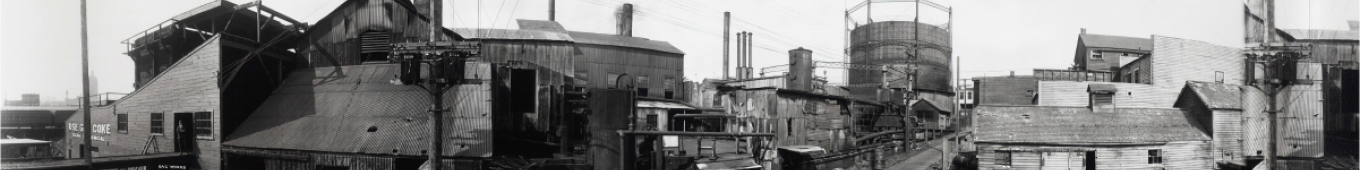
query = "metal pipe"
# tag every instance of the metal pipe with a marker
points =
(552, 10)
(727, 25)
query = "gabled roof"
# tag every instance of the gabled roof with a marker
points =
(1101, 88)
(1110, 41)
(357, 109)
(623, 41)
(1216, 95)
(1316, 34)
(1061, 124)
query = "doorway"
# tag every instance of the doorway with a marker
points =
(1090, 162)
(184, 132)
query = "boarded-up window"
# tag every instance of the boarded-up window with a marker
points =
(1003, 158)
(157, 123)
(122, 123)
(1102, 100)
(203, 125)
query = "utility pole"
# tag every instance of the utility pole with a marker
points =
(85, 86)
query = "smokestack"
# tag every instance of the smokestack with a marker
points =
(625, 17)
(552, 10)
(1083, 30)
(727, 25)
(741, 53)
(749, 54)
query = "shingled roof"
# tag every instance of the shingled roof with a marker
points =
(1110, 41)
(1215, 95)
(1061, 124)
(357, 109)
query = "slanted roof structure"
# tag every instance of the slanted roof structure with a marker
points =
(1079, 125)
(1110, 41)
(1215, 95)
(357, 109)
(598, 38)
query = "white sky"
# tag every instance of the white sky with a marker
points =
(40, 48)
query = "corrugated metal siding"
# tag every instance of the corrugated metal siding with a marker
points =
(559, 57)
(598, 61)
(1228, 136)
(1006, 90)
(1301, 120)
(337, 105)
(1333, 52)
(335, 38)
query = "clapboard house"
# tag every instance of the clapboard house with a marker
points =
(1098, 136)
(198, 76)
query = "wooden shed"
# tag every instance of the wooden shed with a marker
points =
(1035, 137)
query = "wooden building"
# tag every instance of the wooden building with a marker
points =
(47, 123)
(1106, 52)
(1005, 90)
(1064, 137)
(199, 75)
(1172, 62)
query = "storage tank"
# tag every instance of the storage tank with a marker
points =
(890, 42)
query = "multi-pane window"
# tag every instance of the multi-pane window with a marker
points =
(1003, 158)
(158, 123)
(122, 123)
(1096, 55)
(1155, 156)
(203, 125)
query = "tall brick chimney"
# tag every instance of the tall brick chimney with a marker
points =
(625, 19)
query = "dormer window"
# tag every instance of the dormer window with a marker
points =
(1101, 97)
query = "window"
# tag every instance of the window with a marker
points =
(158, 123)
(1003, 158)
(612, 79)
(1218, 76)
(669, 83)
(122, 123)
(642, 83)
(203, 125)
(1155, 156)
(1095, 55)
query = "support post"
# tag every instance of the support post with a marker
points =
(85, 86)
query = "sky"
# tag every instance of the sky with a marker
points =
(40, 48)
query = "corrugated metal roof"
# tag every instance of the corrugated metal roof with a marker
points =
(525, 24)
(1315, 34)
(1110, 41)
(509, 34)
(22, 141)
(1057, 124)
(623, 41)
(356, 109)
(928, 104)
(1217, 95)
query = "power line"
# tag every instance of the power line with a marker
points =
(514, 8)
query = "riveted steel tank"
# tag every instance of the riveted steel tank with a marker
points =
(890, 43)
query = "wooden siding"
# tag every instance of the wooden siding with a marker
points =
(1174, 61)
(1143, 67)
(1006, 91)
(189, 85)
(1333, 52)
(1073, 75)
(794, 119)
(1176, 155)
(557, 56)
(334, 40)
(597, 61)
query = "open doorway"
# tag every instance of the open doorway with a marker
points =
(184, 132)
(1090, 161)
